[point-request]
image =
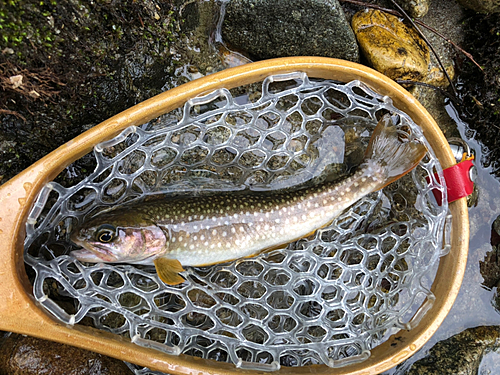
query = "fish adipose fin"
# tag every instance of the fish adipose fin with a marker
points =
(389, 149)
(168, 270)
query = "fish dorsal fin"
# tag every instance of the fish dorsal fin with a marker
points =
(168, 270)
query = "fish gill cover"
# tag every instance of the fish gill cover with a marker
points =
(326, 299)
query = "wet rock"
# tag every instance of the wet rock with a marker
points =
(481, 6)
(495, 232)
(490, 265)
(415, 8)
(490, 268)
(277, 28)
(23, 355)
(390, 46)
(460, 354)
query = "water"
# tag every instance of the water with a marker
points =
(473, 306)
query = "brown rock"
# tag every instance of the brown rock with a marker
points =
(415, 8)
(436, 77)
(23, 355)
(390, 46)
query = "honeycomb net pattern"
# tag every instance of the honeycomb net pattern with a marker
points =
(326, 299)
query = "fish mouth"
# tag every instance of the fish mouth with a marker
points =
(88, 256)
(86, 253)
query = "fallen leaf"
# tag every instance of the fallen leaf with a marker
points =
(34, 94)
(16, 81)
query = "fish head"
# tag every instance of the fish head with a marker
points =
(118, 238)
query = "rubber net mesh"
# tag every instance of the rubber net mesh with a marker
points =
(326, 299)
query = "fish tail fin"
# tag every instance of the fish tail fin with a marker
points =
(168, 270)
(396, 155)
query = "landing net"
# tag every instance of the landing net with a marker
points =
(327, 299)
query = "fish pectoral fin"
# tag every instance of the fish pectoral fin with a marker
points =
(168, 270)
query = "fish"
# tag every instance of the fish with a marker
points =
(230, 58)
(189, 231)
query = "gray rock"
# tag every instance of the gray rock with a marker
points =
(277, 28)
(460, 354)
(481, 6)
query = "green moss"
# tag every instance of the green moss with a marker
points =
(17, 27)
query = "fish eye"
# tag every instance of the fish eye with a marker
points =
(105, 233)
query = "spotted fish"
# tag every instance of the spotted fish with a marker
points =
(199, 231)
